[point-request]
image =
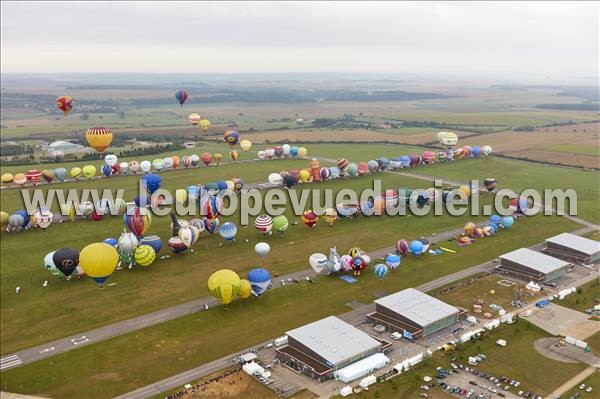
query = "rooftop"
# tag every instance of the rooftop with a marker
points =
(417, 306)
(534, 260)
(581, 244)
(334, 339)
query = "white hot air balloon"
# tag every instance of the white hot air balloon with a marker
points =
(43, 218)
(168, 161)
(145, 166)
(262, 249)
(124, 167)
(262, 154)
(127, 243)
(270, 152)
(111, 160)
(318, 262)
(275, 178)
(286, 149)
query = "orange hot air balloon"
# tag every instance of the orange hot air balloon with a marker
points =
(99, 138)
(176, 161)
(315, 170)
(65, 104)
(206, 158)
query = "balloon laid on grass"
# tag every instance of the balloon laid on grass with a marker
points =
(245, 289)
(507, 222)
(228, 231)
(318, 262)
(262, 249)
(393, 261)
(224, 285)
(259, 279)
(99, 261)
(144, 255)
(381, 270)
(416, 248)
(280, 224)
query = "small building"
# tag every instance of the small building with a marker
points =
(362, 367)
(414, 313)
(573, 248)
(530, 265)
(64, 146)
(319, 349)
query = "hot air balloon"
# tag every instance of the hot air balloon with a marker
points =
(204, 125)
(496, 219)
(137, 220)
(466, 190)
(489, 183)
(194, 118)
(99, 138)
(144, 255)
(43, 218)
(176, 245)
(428, 157)
(270, 152)
(224, 285)
(231, 137)
(51, 267)
(381, 270)
(211, 225)
(106, 170)
(402, 247)
(99, 261)
(20, 179)
(262, 249)
(189, 235)
(158, 164)
(211, 206)
(507, 222)
(206, 158)
(373, 166)
(153, 241)
(286, 149)
(325, 173)
(393, 261)
(259, 279)
(358, 265)
(280, 224)
(48, 175)
(245, 289)
(289, 180)
(233, 154)
(416, 247)
(181, 96)
(228, 231)
(3, 218)
(16, 222)
(383, 163)
(145, 166)
(60, 174)
(275, 178)
(66, 260)
(447, 139)
(309, 218)
(302, 152)
(7, 178)
(151, 181)
(395, 163)
(168, 162)
(318, 262)
(33, 176)
(486, 150)
(261, 154)
(245, 145)
(363, 168)
(519, 205)
(330, 216)
(264, 224)
(294, 151)
(278, 152)
(65, 104)
(469, 227)
(218, 157)
(88, 171)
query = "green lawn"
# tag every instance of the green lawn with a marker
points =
(592, 381)
(584, 298)
(361, 152)
(186, 342)
(574, 149)
(519, 176)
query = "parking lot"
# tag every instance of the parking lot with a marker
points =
(558, 320)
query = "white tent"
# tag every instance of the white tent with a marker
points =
(345, 391)
(365, 382)
(362, 367)
(253, 368)
(248, 357)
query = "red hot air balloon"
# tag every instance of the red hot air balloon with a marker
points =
(315, 170)
(33, 176)
(309, 218)
(206, 158)
(65, 104)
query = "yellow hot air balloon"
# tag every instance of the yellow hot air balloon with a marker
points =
(204, 125)
(181, 195)
(75, 172)
(245, 289)
(20, 179)
(99, 138)
(302, 152)
(194, 118)
(233, 154)
(3, 218)
(89, 171)
(7, 178)
(466, 190)
(68, 209)
(245, 145)
(144, 255)
(224, 285)
(99, 261)
(218, 158)
(304, 175)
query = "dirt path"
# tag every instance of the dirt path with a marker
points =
(572, 382)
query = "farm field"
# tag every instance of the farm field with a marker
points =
(188, 341)
(519, 176)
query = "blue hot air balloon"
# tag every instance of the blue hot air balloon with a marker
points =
(507, 221)
(259, 280)
(228, 230)
(60, 173)
(294, 151)
(106, 170)
(405, 161)
(334, 172)
(193, 191)
(380, 270)
(222, 185)
(415, 247)
(152, 182)
(393, 261)
(142, 200)
(25, 216)
(383, 163)
(373, 166)
(495, 219)
(153, 240)
(475, 151)
(111, 241)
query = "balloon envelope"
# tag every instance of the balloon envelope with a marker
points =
(259, 279)
(224, 285)
(99, 261)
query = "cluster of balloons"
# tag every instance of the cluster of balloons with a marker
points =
(42, 218)
(284, 151)
(354, 261)
(225, 285)
(197, 120)
(265, 224)
(97, 260)
(472, 231)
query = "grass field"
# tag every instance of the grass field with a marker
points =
(186, 342)
(574, 149)
(592, 381)
(519, 176)
(586, 297)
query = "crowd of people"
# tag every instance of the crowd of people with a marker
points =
(202, 386)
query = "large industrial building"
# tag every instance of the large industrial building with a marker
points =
(324, 348)
(573, 248)
(531, 265)
(413, 313)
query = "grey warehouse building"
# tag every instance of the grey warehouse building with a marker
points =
(414, 313)
(573, 248)
(528, 264)
(319, 349)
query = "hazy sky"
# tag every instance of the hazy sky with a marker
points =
(501, 39)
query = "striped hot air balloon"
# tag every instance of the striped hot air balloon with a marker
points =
(264, 224)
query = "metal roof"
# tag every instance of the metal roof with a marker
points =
(417, 306)
(581, 244)
(334, 339)
(534, 260)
